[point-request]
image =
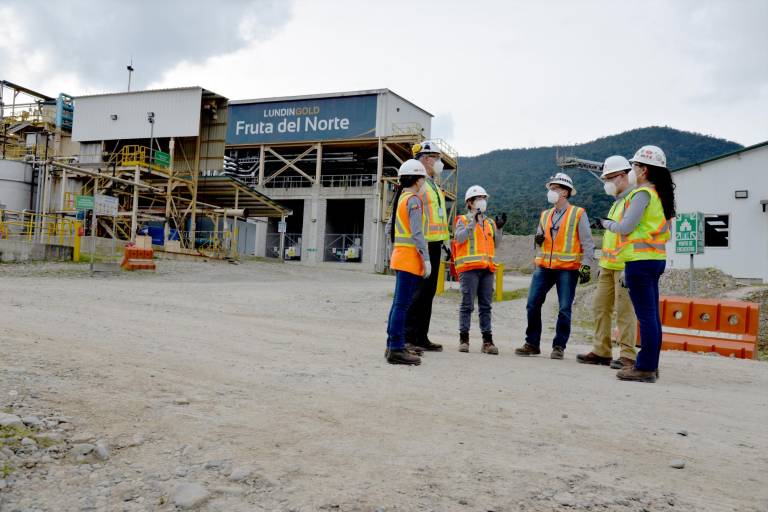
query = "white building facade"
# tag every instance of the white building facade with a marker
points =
(732, 192)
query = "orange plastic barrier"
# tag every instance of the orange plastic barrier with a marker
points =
(727, 327)
(138, 259)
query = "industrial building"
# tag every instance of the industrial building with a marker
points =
(731, 191)
(331, 159)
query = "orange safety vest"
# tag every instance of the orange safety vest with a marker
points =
(405, 256)
(477, 251)
(564, 252)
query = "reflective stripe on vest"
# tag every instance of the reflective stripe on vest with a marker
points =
(477, 251)
(610, 250)
(648, 240)
(437, 219)
(565, 251)
(405, 256)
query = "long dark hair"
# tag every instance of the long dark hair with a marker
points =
(405, 181)
(665, 187)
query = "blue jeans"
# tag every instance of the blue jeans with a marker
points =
(642, 279)
(542, 281)
(476, 283)
(406, 285)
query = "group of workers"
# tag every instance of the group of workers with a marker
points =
(632, 259)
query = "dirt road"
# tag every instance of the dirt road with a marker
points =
(264, 387)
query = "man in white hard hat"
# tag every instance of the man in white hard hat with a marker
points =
(474, 247)
(610, 294)
(436, 234)
(564, 255)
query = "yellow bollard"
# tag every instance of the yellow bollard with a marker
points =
(76, 245)
(441, 279)
(499, 282)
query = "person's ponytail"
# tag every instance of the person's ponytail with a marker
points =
(665, 187)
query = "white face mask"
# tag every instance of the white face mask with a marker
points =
(481, 205)
(632, 176)
(553, 196)
(610, 188)
(437, 167)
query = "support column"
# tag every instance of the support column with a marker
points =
(377, 260)
(261, 167)
(168, 194)
(63, 189)
(135, 209)
(316, 241)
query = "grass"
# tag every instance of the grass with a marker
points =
(11, 436)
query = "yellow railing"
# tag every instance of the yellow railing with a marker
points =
(33, 227)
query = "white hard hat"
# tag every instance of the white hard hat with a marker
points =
(426, 146)
(474, 191)
(562, 179)
(650, 155)
(614, 164)
(412, 168)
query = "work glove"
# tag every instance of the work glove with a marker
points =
(447, 252)
(500, 220)
(623, 280)
(585, 274)
(539, 239)
(596, 223)
(427, 270)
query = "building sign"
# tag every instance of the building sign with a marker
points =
(689, 233)
(352, 117)
(162, 159)
(83, 202)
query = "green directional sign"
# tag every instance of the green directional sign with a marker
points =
(689, 233)
(162, 159)
(84, 202)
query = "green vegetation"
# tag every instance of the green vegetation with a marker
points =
(515, 177)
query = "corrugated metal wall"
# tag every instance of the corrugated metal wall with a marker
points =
(177, 114)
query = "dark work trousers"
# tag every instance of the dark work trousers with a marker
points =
(642, 279)
(420, 312)
(542, 281)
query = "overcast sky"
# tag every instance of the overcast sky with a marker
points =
(496, 74)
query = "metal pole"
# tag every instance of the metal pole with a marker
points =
(690, 282)
(282, 241)
(93, 221)
(135, 210)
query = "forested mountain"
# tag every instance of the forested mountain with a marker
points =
(515, 178)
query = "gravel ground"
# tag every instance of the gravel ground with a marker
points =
(263, 386)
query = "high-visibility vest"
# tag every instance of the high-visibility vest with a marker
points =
(437, 218)
(609, 254)
(405, 256)
(564, 252)
(477, 251)
(649, 239)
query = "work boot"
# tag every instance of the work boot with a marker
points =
(488, 346)
(622, 363)
(428, 346)
(557, 353)
(593, 358)
(402, 356)
(527, 350)
(413, 349)
(463, 342)
(636, 375)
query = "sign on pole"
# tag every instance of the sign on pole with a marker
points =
(689, 233)
(282, 226)
(105, 205)
(84, 202)
(162, 159)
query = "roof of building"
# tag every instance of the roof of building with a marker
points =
(725, 155)
(206, 92)
(328, 95)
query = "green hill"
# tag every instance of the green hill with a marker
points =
(515, 177)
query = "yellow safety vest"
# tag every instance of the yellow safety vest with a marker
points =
(649, 239)
(437, 218)
(476, 252)
(609, 254)
(564, 252)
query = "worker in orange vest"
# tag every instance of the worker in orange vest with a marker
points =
(410, 258)
(474, 247)
(563, 259)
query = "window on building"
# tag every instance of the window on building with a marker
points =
(716, 229)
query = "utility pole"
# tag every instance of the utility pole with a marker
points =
(151, 121)
(129, 67)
